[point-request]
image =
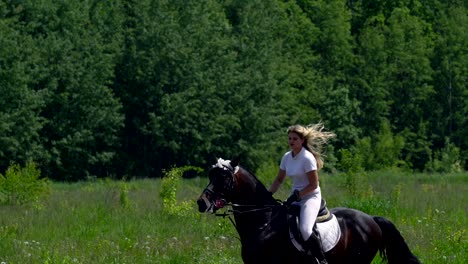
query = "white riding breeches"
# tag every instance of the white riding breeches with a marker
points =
(310, 206)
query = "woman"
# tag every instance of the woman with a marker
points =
(302, 164)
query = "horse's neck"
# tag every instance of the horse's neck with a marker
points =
(254, 204)
(256, 226)
(250, 191)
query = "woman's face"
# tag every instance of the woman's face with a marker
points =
(295, 141)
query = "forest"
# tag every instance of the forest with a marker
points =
(132, 88)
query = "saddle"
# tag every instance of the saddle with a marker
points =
(323, 219)
(324, 214)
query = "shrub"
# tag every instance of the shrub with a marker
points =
(123, 195)
(356, 179)
(168, 193)
(23, 185)
(446, 160)
(382, 150)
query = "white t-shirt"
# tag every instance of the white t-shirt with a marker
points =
(297, 167)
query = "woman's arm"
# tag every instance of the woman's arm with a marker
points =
(278, 181)
(313, 183)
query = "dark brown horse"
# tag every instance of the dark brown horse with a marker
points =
(261, 222)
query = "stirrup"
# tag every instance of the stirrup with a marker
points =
(315, 247)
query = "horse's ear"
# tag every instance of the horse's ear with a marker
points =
(235, 161)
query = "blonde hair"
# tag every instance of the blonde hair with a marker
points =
(315, 139)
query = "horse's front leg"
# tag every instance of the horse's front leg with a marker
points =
(262, 251)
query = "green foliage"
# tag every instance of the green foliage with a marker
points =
(382, 151)
(58, 94)
(267, 171)
(350, 164)
(20, 106)
(23, 185)
(417, 148)
(449, 103)
(446, 160)
(113, 88)
(123, 196)
(409, 79)
(370, 83)
(169, 187)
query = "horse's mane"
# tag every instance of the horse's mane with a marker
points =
(234, 167)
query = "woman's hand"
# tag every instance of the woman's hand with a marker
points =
(293, 198)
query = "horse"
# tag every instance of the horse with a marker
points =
(262, 223)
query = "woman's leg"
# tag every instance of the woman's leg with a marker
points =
(309, 211)
(310, 206)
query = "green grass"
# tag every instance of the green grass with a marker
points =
(91, 222)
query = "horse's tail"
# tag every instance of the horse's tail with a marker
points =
(394, 248)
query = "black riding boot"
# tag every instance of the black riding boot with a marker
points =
(315, 247)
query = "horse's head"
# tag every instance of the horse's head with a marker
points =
(220, 187)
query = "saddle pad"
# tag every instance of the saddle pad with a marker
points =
(330, 234)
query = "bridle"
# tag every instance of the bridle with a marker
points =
(228, 190)
(228, 187)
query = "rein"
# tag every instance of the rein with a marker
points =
(265, 207)
(230, 212)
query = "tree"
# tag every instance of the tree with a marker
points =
(172, 80)
(450, 71)
(334, 98)
(20, 105)
(409, 80)
(82, 117)
(370, 84)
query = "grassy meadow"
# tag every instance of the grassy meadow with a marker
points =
(129, 222)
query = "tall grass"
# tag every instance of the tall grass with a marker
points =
(125, 222)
